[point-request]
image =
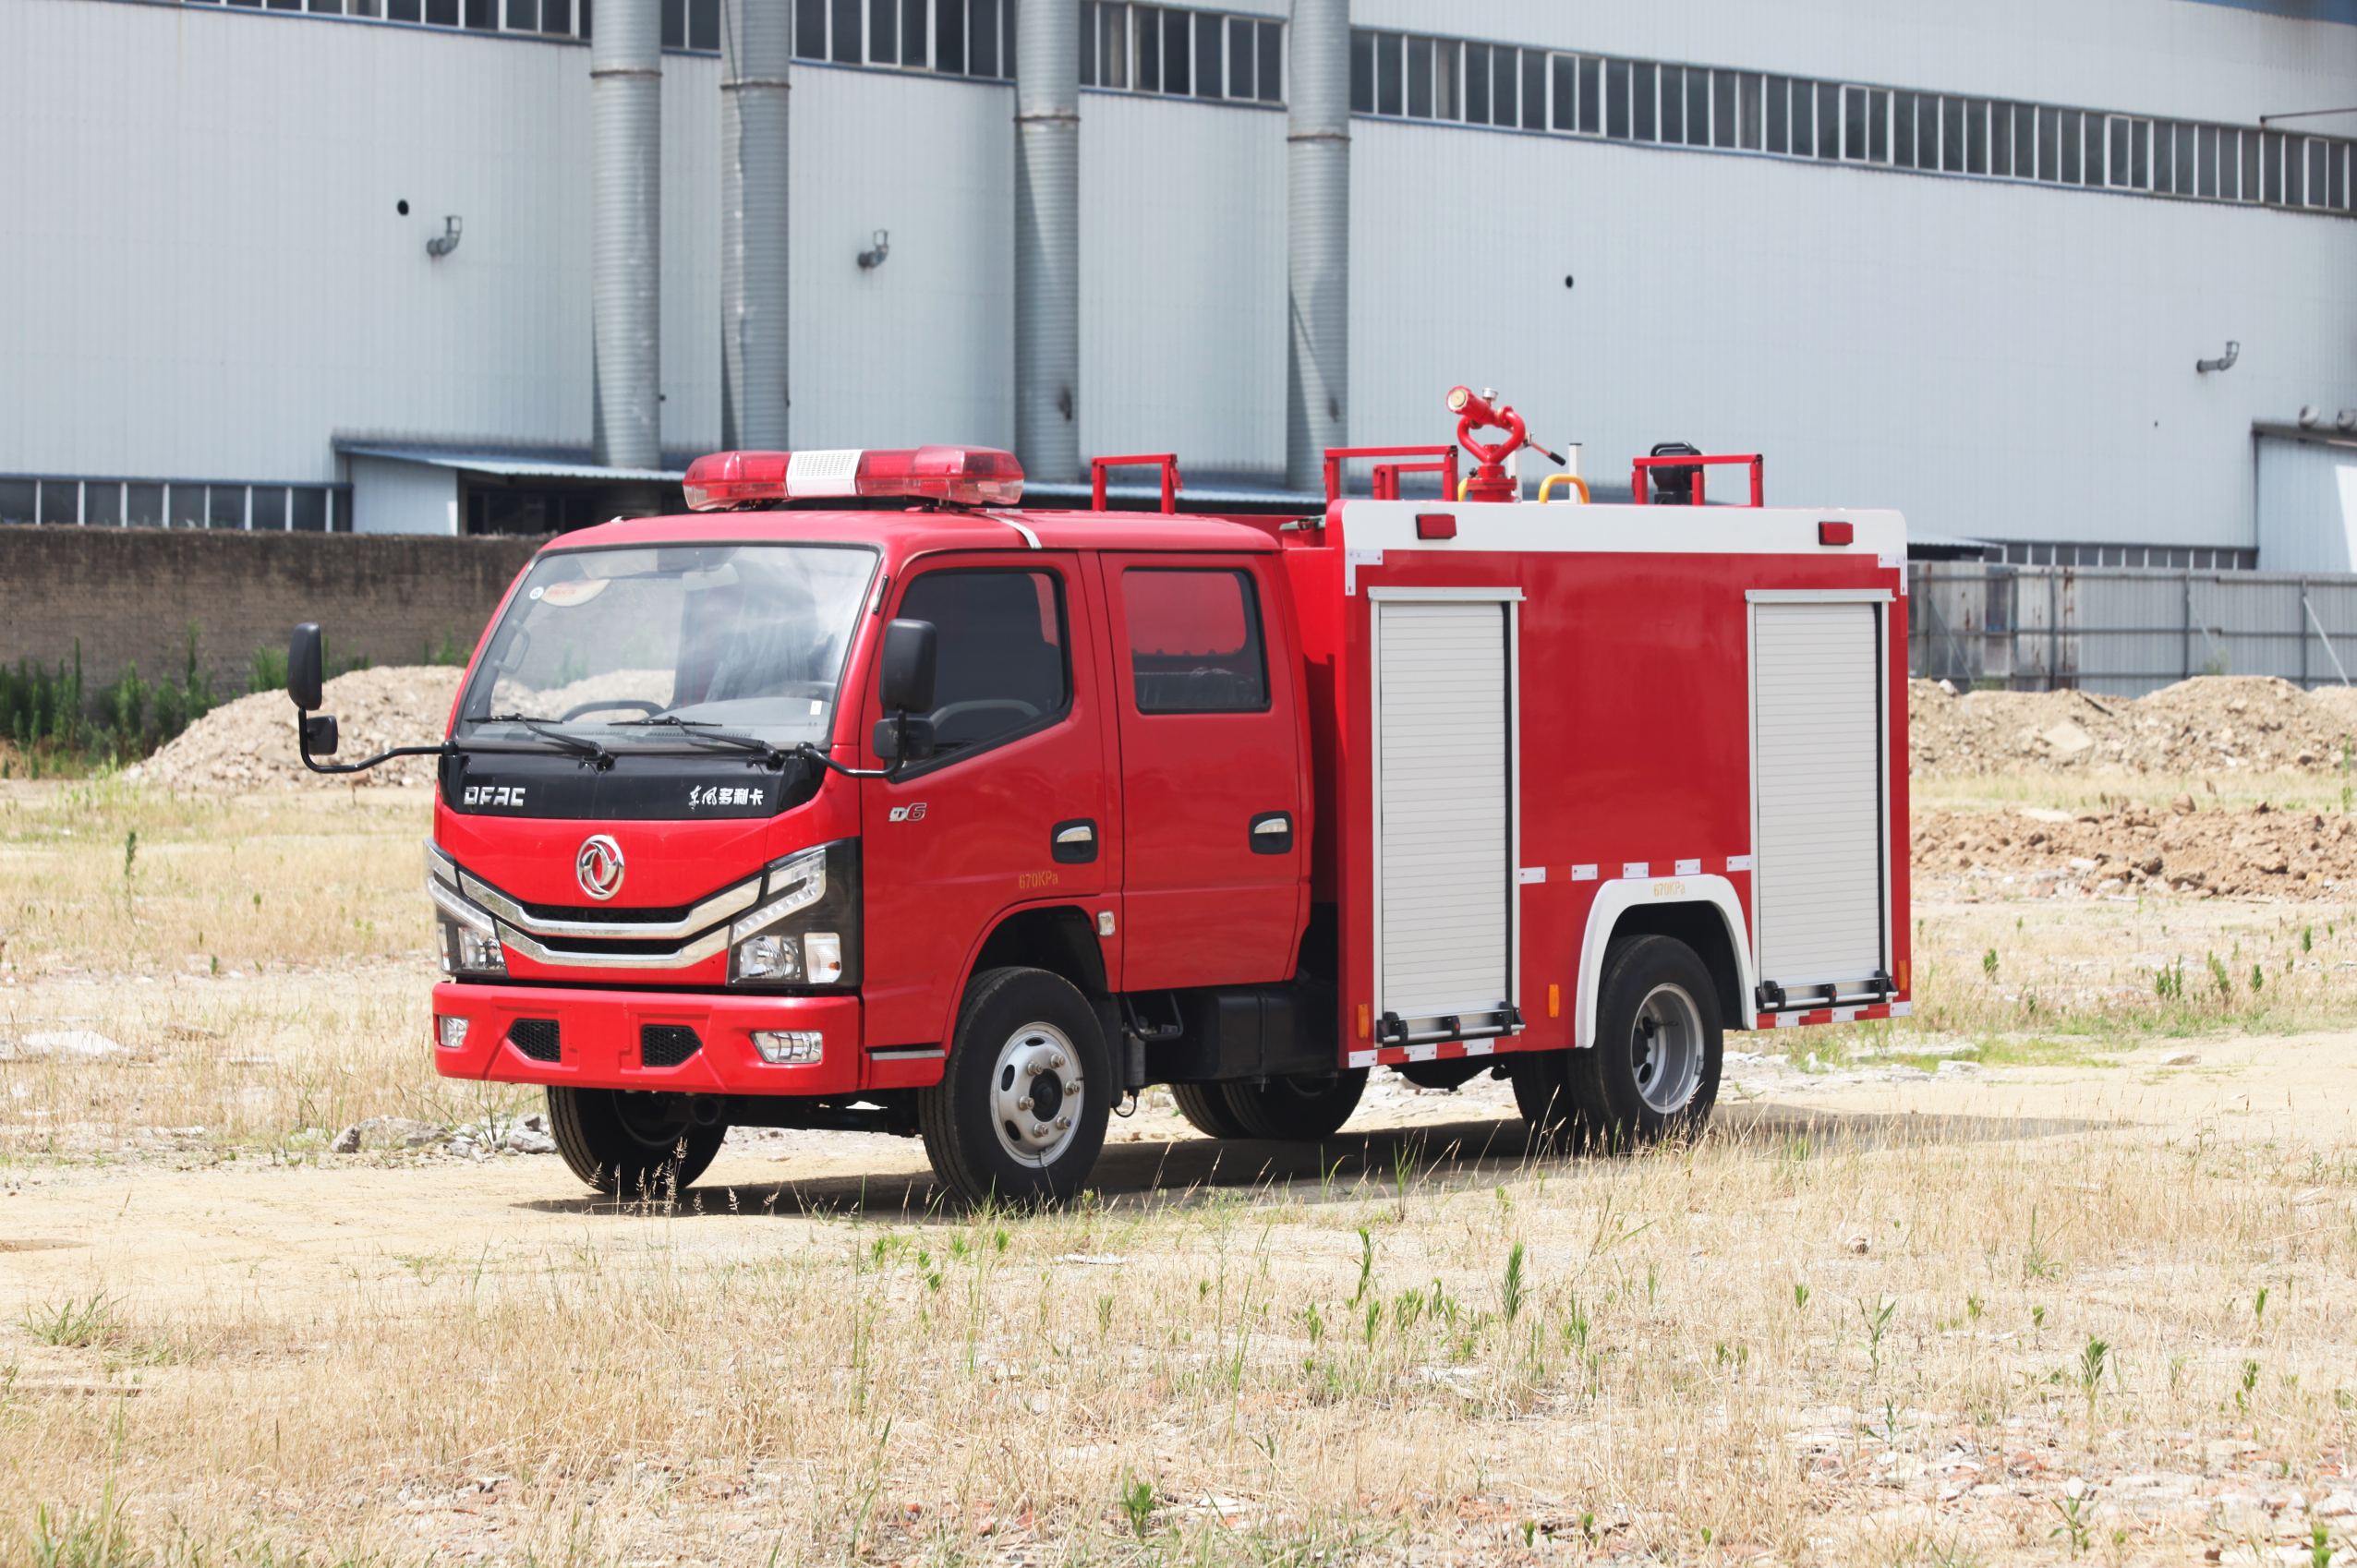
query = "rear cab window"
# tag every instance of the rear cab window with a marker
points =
(1195, 643)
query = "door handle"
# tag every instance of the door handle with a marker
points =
(1271, 833)
(1073, 842)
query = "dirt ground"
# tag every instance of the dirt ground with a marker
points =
(2063, 1268)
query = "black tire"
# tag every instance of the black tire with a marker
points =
(1018, 1030)
(1543, 1094)
(1654, 1071)
(1205, 1107)
(631, 1145)
(1295, 1110)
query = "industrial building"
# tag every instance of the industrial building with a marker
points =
(337, 264)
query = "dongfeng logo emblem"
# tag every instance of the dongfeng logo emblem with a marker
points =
(599, 865)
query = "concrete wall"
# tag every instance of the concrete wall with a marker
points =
(130, 595)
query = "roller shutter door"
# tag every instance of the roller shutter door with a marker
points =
(1444, 812)
(1817, 756)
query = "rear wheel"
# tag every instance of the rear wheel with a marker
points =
(1019, 1112)
(1205, 1107)
(628, 1144)
(1298, 1109)
(1654, 1070)
(1541, 1082)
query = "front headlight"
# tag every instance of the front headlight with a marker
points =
(470, 938)
(806, 930)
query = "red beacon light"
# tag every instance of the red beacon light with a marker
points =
(962, 475)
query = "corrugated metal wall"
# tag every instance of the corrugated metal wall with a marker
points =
(2129, 632)
(1182, 290)
(206, 275)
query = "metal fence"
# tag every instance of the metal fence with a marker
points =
(2035, 629)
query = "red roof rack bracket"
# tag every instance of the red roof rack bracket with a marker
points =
(1756, 460)
(1166, 461)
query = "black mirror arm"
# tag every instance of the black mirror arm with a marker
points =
(823, 760)
(302, 746)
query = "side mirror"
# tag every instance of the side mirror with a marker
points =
(911, 655)
(303, 667)
(903, 739)
(320, 738)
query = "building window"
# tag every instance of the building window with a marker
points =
(1404, 75)
(948, 37)
(118, 504)
(1195, 53)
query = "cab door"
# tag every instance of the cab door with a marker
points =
(1010, 810)
(1215, 854)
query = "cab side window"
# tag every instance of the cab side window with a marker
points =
(1005, 662)
(1195, 641)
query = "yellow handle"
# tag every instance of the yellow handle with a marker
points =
(1552, 480)
(1461, 484)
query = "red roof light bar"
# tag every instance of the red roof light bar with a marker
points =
(962, 475)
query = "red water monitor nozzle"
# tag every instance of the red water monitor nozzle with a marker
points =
(1490, 481)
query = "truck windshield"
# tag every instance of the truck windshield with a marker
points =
(643, 647)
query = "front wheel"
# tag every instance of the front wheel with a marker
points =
(1019, 1112)
(628, 1144)
(1653, 1072)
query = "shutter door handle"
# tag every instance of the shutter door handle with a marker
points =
(1271, 833)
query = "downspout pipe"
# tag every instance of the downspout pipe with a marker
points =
(1047, 240)
(1317, 191)
(756, 54)
(626, 212)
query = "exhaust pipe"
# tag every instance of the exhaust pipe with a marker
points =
(757, 52)
(626, 214)
(1317, 191)
(1047, 240)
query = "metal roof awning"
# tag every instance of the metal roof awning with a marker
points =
(1946, 547)
(509, 464)
(2315, 435)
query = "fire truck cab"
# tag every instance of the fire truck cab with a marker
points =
(861, 796)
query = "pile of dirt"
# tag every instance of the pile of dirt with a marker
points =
(2181, 847)
(2208, 724)
(249, 744)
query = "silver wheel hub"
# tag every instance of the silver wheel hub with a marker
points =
(1035, 1092)
(1665, 1049)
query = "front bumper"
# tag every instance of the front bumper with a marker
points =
(600, 1041)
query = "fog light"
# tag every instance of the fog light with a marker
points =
(449, 1031)
(768, 957)
(794, 1047)
(822, 957)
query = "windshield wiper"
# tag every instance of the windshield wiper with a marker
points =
(579, 745)
(709, 730)
(774, 755)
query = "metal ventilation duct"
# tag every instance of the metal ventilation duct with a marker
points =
(757, 52)
(625, 257)
(1317, 187)
(1047, 242)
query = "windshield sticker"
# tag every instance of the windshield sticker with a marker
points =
(564, 595)
(723, 795)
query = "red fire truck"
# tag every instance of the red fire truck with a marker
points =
(863, 796)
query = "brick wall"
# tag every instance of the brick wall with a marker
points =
(129, 593)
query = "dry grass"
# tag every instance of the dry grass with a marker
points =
(1838, 1334)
